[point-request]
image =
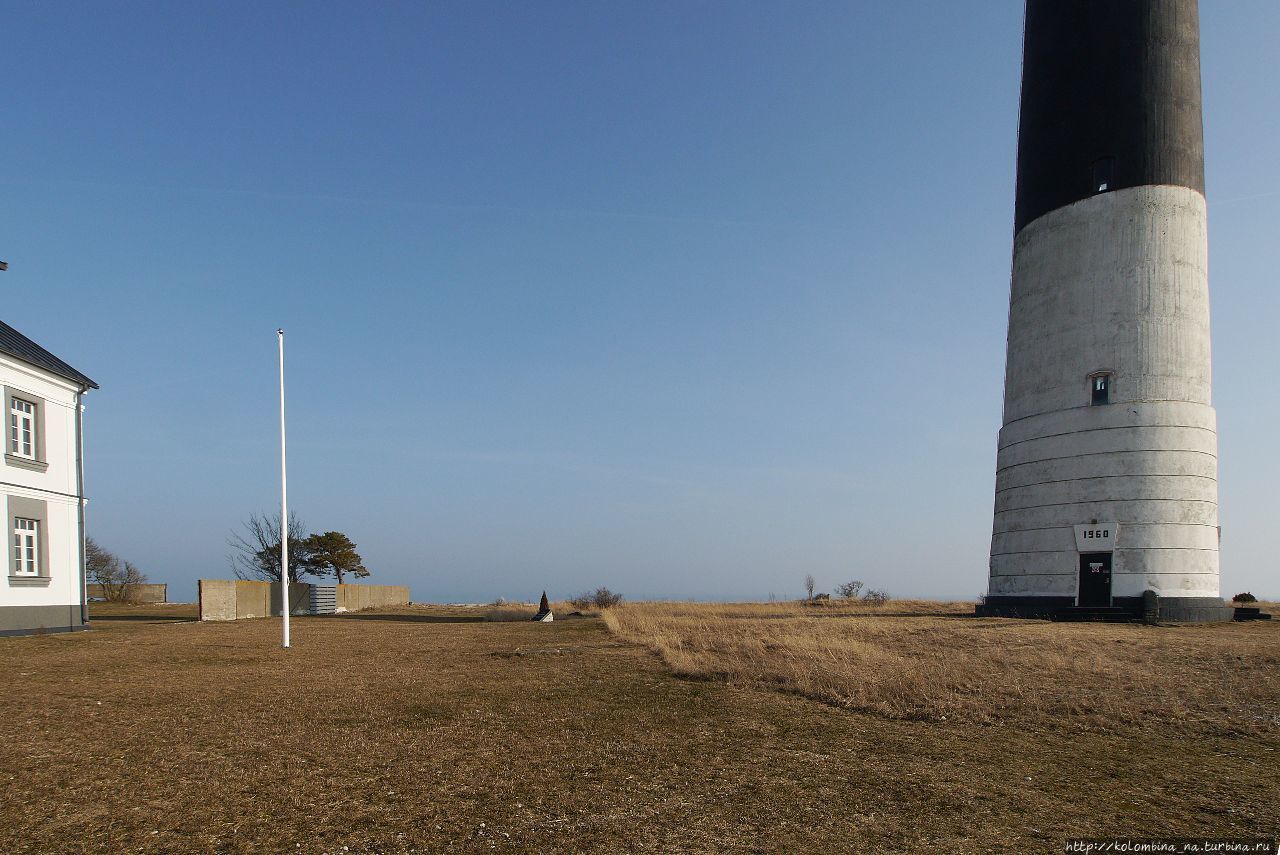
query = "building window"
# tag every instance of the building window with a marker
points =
(22, 428)
(26, 547)
(1100, 389)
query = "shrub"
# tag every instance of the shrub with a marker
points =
(849, 590)
(600, 598)
(1246, 597)
(876, 597)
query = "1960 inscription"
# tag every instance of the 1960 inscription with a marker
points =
(1096, 537)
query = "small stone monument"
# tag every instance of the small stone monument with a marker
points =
(544, 614)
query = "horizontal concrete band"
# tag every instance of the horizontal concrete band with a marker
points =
(1189, 562)
(1123, 511)
(1110, 488)
(1131, 536)
(1122, 585)
(1082, 444)
(1157, 462)
(20, 620)
(1129, 414)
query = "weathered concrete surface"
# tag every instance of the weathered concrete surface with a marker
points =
(223, 599)
(21, 620)
(147, 592)
(217, 599)
(356, 597)
(253, 599)
(1114, 283)
(299, 598)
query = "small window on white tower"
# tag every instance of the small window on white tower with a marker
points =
(22, 428)
(26, 545)
(1100, 389)
(1102, 169)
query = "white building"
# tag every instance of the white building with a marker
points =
(41, 489)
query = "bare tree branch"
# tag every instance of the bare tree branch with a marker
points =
(255, 552)
(119, 580)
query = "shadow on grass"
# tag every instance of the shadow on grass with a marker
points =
(856, 616)
(407, 618)
(147, 618)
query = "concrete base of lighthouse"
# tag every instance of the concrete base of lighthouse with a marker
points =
(1168, 609)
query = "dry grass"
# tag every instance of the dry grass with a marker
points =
(429, 730)
(899, 661)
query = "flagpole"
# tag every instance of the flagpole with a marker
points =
(284, 505)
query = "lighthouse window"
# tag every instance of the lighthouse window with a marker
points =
(1100, 389)
(1102, 169)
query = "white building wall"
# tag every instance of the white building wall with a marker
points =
(1117, 282)
(55, 487)
(63, 559)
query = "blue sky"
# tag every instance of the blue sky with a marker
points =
(686, 299)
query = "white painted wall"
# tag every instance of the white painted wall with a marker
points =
(56, 486)
(63, 557)
(1116, 282)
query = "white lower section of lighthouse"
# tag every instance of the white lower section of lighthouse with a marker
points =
(1114, 286)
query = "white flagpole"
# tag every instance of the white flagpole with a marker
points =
(284, 505)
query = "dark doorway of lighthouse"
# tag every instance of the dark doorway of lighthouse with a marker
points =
(1095, 579)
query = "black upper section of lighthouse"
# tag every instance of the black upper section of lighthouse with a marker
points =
(1110, 99)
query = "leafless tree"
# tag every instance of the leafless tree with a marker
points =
(849, 590)
(809, 584)
(118, 579)
(98, 562)
(600, 598)
(255, 552)
(876, 597)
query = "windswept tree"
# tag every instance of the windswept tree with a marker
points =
(255, 552)
(333, 554)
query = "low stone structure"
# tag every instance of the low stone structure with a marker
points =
(234, 599)
(147, 592)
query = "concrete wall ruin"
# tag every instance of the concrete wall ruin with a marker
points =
(236, 599)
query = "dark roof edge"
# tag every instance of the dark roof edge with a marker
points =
(17, 345)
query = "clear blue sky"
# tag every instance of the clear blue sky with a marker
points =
(686, 299)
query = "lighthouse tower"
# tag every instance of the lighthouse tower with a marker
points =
(1106, 480)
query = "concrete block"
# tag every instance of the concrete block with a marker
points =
(217, 599)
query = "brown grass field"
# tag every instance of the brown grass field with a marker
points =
(429, 729)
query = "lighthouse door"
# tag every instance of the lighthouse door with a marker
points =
(1095, 579)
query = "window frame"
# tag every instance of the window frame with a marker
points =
(23, 439)
(26, 548)
(14, 453)
(1105, 377)
(21, 509)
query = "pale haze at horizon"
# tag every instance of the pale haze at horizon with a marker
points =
(684, 300)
